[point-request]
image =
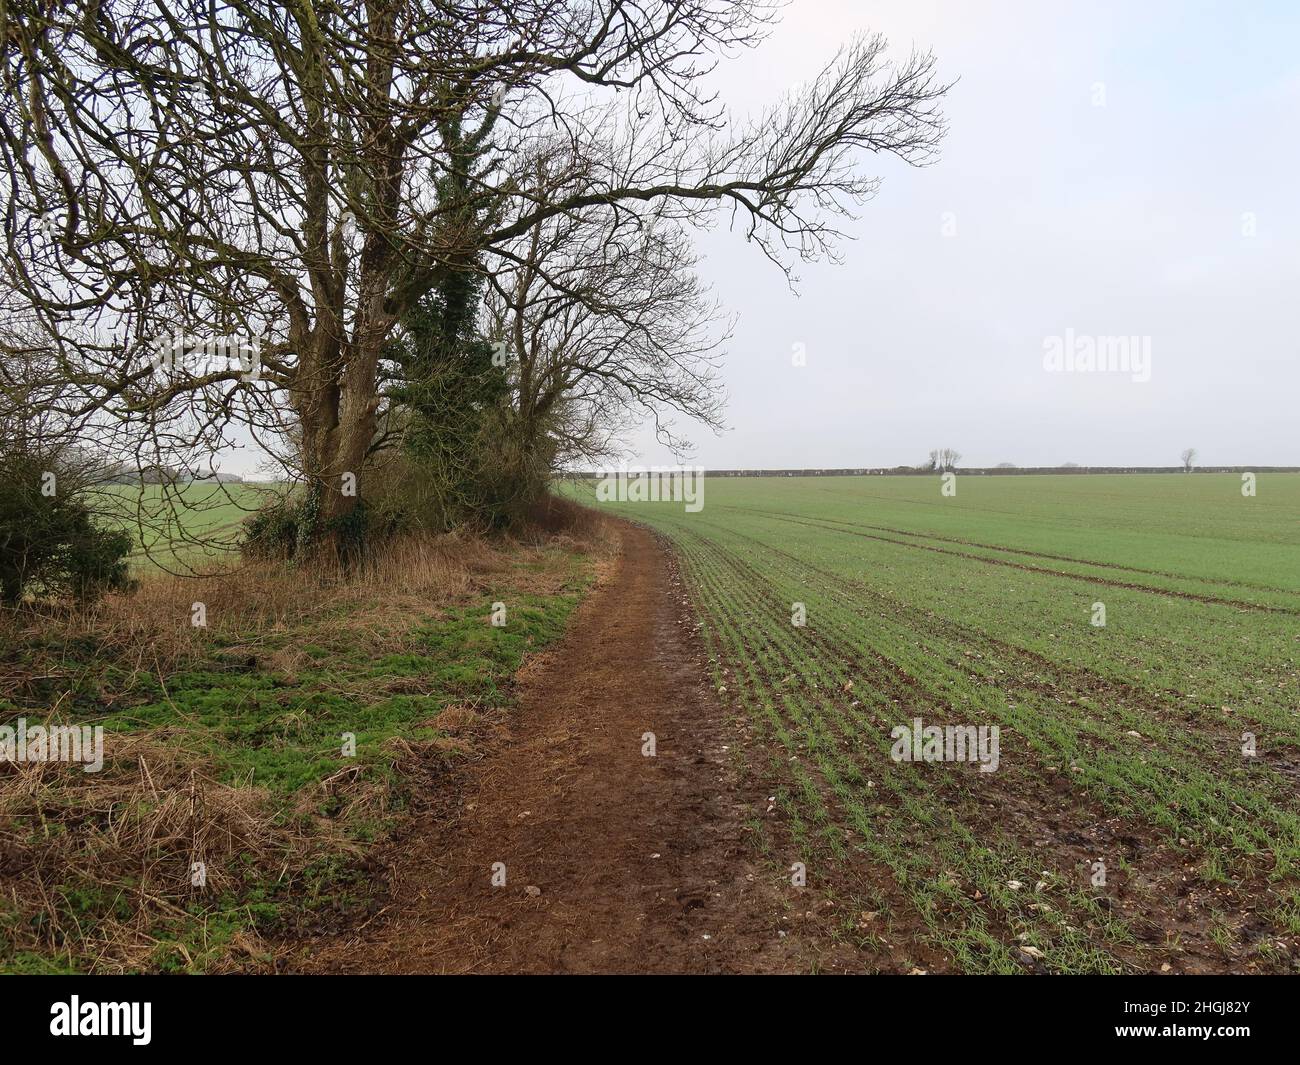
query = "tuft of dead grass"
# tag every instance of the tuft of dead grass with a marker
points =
(558, 517)
(105, 865)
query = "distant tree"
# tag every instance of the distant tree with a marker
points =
(1188, 456)
(1006, 466)
(1070, 466)
(155, 474)
(943, 458)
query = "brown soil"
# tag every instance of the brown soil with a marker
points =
(615, 862)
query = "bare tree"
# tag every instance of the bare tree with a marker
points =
(1188, 457)
(190, 178)
(943, 458)
(604, 321)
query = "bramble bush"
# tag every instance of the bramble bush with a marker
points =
(50, 545)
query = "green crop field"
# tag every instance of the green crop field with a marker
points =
(1125, 827)
(182, 526)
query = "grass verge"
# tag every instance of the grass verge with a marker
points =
(251, 763)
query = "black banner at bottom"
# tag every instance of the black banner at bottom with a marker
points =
(212, 1014)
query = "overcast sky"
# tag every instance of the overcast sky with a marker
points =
(1112, 169)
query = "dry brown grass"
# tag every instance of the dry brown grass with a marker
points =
(134, 830)
(152, 631)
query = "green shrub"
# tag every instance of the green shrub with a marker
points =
(50, 545)
(276, 530)
(271, 532)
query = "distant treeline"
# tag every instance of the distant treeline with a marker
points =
(913, 471)
(162, 475)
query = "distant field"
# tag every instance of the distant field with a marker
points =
(190, 523)
(1123, 828)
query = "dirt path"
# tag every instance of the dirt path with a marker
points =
(641, 863)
